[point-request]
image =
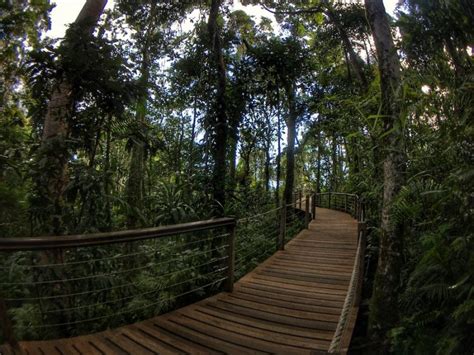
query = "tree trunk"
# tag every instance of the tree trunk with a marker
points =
(107, 174)
(219, 116)
(53, 182)
(179, 152)
(290, 149)
(334, 165)
(233, 144)
(136, 175)
(246, 155)
(267, 168)
(384, 306)
(318, 169)
(278, 157)
(268, 147)
(191, 142)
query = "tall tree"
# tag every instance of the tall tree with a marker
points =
(146, 24)
(218, 116)
(290, 143)
(384, 307)
(54, 180)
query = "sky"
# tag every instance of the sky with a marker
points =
(66, 11)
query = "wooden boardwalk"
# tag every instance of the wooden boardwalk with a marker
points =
(290, 304)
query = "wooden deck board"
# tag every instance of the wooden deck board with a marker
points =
(289, 304)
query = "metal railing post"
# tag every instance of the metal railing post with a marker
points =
(6, 324)
(313, 205)
(306, 212)
(281, 235)
(345, 203)
(231, 258)
(300, 198)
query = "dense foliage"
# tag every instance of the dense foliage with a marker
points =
(178, 113)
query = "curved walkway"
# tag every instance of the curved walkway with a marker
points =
(290, 304)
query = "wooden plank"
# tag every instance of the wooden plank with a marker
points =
(314, 271)
(287, 304)
(327, 280)
(239, 335)
(106, 346)
(316, 286)
(234, 299)
(82, 346)
(321, 259)
(327, 253)
(158, 347)
(155, 332)
(316, 244)
(126, 344)
(275, 317)
(66, 347)
(310, 269)
(267, 317)
(204, 337)
(295, 290)
(311, 258)
(316, 292)
(316, 251)
(326, 257)
(263, 339)
(323, 338)
(325, 242)
(42, 348)
(304, 263)
(316, 279)
(306, 299)
(311, 265)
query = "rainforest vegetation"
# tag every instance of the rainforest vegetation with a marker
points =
(152, 113)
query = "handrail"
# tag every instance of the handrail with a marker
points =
(340, 342)
(336, 193)
(81, 240)
(352, 203)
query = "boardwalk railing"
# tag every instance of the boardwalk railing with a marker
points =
(339, 201)
(53, 287)
(259, 236)
(63, 286)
